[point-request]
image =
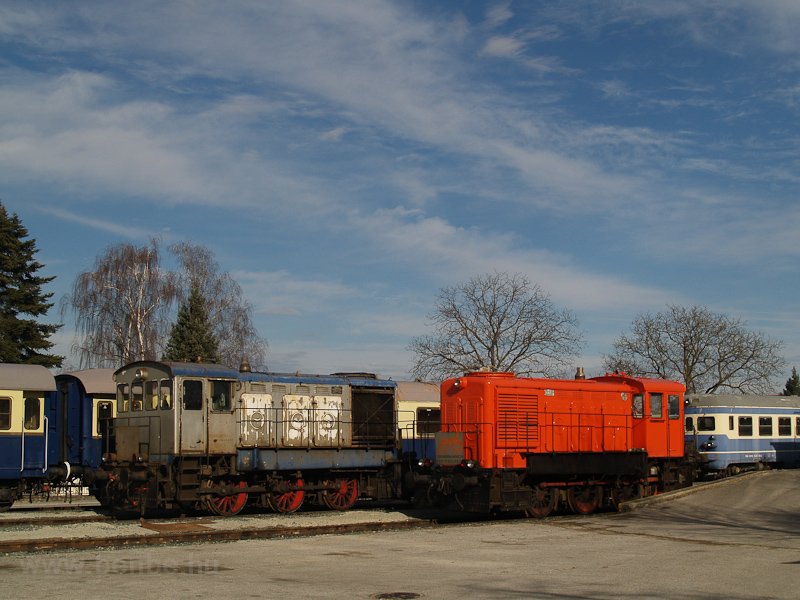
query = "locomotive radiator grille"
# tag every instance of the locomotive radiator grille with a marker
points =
(518, 420)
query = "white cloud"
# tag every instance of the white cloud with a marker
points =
(453, 254)
(280, 293)
(121, 229)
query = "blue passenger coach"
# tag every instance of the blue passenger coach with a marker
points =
(25, 432)
(736, 432)
(52, 429)
(84, 409)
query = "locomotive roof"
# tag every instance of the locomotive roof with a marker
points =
(355, 379)
(186, 369)
(26, 377)
(644, 383)
(742, 400)
(94, 381)
(191, 369)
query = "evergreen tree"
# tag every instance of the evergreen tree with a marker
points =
(22, 340)
(192, 336)
(792, 385)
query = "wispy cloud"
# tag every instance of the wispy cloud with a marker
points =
(124, 230)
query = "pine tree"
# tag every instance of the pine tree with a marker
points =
(22, 340)
(192, 335)
(792, 385)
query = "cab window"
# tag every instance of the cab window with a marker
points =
(638, 406)
(221, 396)
(32, 413)
(656, 406)
(192, 395)
(123, 404)
(5, 413)
(674, 406)
(151, 395)
(165, 392)
(137, 396)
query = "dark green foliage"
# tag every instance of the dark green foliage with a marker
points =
(192, 336)
(792, 385)
(22, 340)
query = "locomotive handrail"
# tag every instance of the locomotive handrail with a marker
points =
(578, 432)
(361, 434)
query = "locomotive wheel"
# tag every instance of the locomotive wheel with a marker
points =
(543, 502)
(583, 499)
(290, 501)
(227, 506)
(342, 498)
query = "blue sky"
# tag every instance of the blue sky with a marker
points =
(345, 160)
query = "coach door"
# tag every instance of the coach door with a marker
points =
(192, 421)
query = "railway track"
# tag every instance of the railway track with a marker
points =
(40, 536)
(91, 528)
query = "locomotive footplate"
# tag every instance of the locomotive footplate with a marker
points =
(585, 464)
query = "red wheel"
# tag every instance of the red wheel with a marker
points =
(287, 502)
(342, 498)
(543, 502)
(584, 499)
(227, 506)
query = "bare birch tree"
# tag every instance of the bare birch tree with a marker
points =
(498, 321)
(706, 351)
(126, 306)
(122, 307)
(228, 311)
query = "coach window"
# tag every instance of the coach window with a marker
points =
(428, 421)
(784, 426)
(221, 396)
(137, 396)
(166, 394)
(730, 422)
(689, 424)
(151, 395)
(706, 424)
(638, 406)
(32, 413)
(746, 426)
(105, 412)
(765, 426)
(797, 427)
(5, 414)
(192, 395)
(674, 406)
(656, 406)
(122, 397)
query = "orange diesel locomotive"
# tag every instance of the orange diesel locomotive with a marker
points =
(509, 443)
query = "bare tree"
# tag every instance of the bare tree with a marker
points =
(707, 351)
(122, 307)
(228, 311)
(497, 321)
(125, 307)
